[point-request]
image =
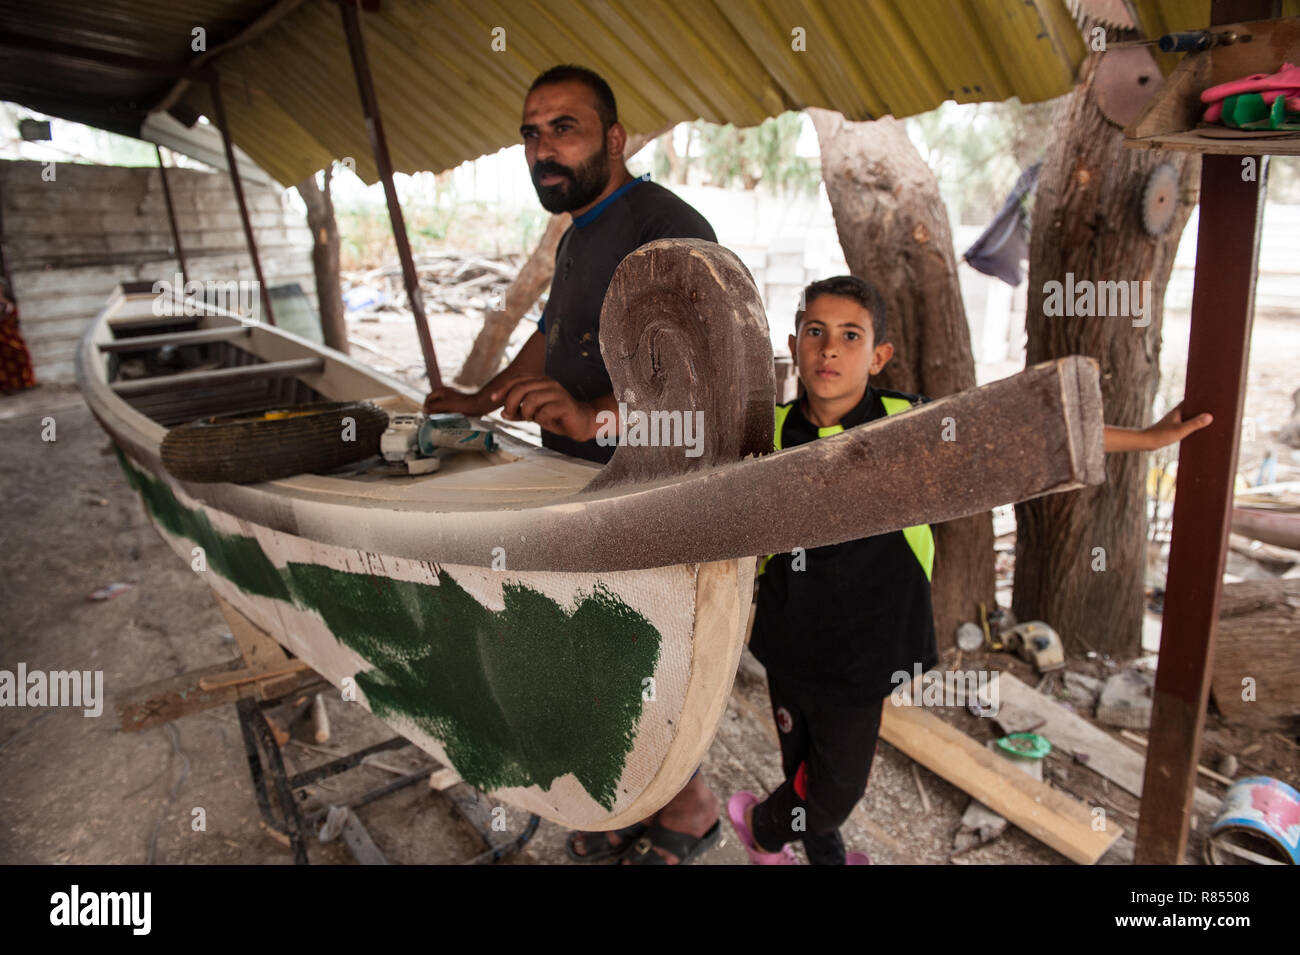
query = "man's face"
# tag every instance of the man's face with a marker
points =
(566, 147)
(835, 349)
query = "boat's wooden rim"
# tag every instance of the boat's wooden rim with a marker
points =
(537, 511)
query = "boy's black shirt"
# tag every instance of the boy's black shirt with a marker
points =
(585, 261)
(857, 613)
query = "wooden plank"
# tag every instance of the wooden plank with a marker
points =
(1094, 748)
(144, 342)
(1048, 815)
(258, 648)
(198, 379)
(242, 676)
(1193, 142)
(162, 701)
(1203, 770)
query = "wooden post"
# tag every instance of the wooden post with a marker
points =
(171, 214)
(379, 146)
(218, 107)
(1227, 255)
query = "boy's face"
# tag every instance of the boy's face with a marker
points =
(834, 348)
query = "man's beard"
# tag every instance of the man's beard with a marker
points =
(583, 184)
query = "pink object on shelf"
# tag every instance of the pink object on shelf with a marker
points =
(1284, 80)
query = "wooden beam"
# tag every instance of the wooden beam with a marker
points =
(1227, 255)
(1047, 814)
(171, 213)
(150, 342)
(223, 124)
(263, 22)
(161, 701)
(222, 376)
(379, 146)
(28, 43)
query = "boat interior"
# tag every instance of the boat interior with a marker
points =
(201, 361)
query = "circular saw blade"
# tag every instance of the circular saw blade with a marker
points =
(1159, 199)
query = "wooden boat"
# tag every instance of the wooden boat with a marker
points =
(563, 635)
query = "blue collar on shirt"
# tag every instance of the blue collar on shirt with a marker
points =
(590, 216)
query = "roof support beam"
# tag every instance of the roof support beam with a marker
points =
(1218, 349)
(171, 214)
(138, 64)
(256, 28)
(219, 108)
(379, 146)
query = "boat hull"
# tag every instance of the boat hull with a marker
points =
(586, 698)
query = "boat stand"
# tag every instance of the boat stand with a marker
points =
(291, 824)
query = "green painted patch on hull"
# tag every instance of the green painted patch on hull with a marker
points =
(517, 697)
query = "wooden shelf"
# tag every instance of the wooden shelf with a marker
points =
(1171, 119)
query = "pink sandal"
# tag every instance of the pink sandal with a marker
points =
(857, 858)
(736, 807)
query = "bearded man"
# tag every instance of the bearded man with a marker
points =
(574, 145)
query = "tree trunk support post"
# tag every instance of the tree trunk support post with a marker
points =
(1227, 254)
(218, 107)
(171, 215)
(379, 146)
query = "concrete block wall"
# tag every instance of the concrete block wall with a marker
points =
(70, 239)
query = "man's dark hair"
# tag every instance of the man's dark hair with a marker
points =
(606, 108)
(855, 289)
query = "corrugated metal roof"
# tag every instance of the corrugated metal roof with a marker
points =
(446, 96)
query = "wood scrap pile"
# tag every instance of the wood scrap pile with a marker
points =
(460, 282)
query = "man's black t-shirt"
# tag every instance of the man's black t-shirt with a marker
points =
(857, 612)
(589, 252)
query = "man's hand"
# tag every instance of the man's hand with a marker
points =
(450, 400)
(545, 400)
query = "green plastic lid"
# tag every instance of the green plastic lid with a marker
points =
(1028, 745)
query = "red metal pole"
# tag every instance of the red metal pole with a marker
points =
(379, 146)
(1227, 249)
(218, 107)
(171, 214)
(1218, 351)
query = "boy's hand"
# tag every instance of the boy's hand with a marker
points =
(1172, 428)
(545, 400)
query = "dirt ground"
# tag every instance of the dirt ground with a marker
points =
(78, 789)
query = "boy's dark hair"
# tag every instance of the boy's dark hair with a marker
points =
(606, 107)
(855, 289)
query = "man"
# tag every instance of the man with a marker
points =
(574, 143)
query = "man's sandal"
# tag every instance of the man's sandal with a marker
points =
(598, 845)
(685, 847)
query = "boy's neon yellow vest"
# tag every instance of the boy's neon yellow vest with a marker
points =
(919, 537)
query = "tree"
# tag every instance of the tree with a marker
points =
(1081, 557)
(894, 231)
(325, 259)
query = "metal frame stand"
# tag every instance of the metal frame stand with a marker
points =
(259, 738)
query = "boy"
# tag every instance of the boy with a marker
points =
(833, 624)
